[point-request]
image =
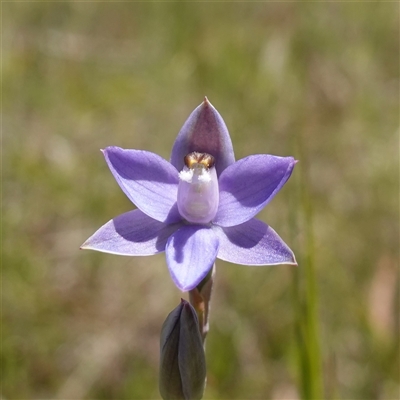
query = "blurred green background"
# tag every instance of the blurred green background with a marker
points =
(319, 81)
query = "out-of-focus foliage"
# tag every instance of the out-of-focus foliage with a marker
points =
(317, 81)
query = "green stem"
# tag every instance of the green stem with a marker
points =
(305, 296)
(200, 299)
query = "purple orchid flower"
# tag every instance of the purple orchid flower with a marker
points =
(198, 207)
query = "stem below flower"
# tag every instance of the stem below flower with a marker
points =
(200, 298)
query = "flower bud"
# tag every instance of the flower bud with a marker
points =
(182, 360)
(198, 192)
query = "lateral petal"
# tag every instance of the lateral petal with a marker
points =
(149, 181)
(205, 132)
(191, 252)
(248, 185)
(131, 234)
(253, 243)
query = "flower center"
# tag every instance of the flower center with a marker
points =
(198, 193)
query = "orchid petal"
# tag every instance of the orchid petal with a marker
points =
(205, 132)
(131, 234)
(253, 243)
(248, 185)
(148, 180)
(191, 252)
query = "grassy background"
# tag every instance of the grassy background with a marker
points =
(313, 80)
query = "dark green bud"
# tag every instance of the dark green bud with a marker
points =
(182, 360)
